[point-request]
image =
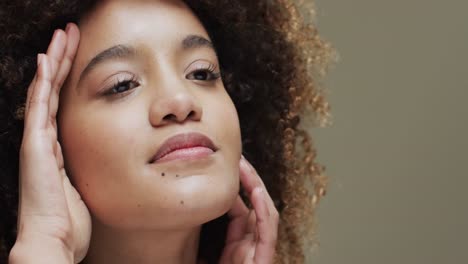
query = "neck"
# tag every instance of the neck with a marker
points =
(109, 245)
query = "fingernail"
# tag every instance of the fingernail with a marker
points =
(258, 190)
(67, 28)
(244, 164)
(55, 34)
(39, 59)
(247, 163)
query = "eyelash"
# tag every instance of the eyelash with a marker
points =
(212, 76)
(119, 83)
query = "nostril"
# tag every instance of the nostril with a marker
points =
(191, 114)
(170, 117)
(180, 118)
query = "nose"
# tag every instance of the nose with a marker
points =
(176, 107)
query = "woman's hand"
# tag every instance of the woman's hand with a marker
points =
(251, 236)
(53, 221)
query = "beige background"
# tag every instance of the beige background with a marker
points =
(397, 153)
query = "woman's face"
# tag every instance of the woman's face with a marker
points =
(146, 71)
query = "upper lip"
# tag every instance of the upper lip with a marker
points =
(181, 141)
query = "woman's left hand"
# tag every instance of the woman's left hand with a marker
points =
(252, 233)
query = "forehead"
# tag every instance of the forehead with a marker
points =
(157, 26)
(121, 20)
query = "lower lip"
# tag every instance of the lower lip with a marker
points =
(186, 153)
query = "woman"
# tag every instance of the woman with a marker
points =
(132, 129)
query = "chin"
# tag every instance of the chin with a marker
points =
(222, 206)
(208, 206)
(203, 194)
(185, 214)
(186, 197)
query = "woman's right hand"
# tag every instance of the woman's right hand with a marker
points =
(54, 224)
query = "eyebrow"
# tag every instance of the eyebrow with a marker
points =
(196, 41)
(125, 51)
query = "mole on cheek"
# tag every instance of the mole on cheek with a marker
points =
(163, 174)
(177, 175)
(181, 202)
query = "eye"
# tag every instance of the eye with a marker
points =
(204, 73)
(122, 86)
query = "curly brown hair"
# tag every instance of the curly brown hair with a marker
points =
(271, 60)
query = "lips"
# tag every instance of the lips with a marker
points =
(182, 146)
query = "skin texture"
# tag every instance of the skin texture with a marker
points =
(108, 140)
(271, 61)
(156, 229)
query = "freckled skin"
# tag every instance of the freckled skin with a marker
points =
(107, 141)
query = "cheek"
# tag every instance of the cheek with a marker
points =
(98, 151)
(105, 152)
(228, 123)
(97, 141)
(224, 121)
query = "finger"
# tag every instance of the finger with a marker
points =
(55, 53)
(239, 209)
(249, 176)
(266, 228)
(36, 150)
(59, 155)
(56, 50)
(39, 101)
(28, 96)
(250, 180)
(251, 227)
(237, 226)
(240, 252)
(244, 254)
(73, 37)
